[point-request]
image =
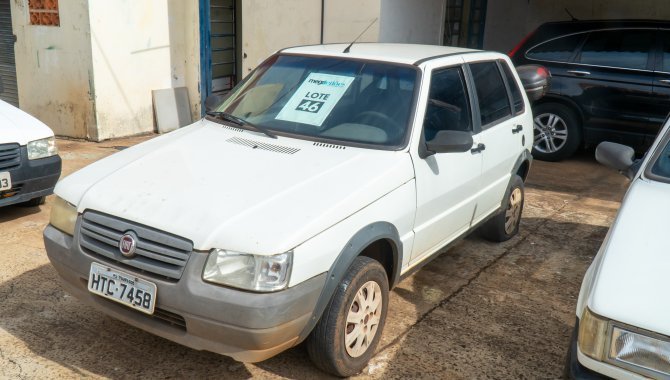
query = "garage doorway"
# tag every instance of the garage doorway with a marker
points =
(218, 46)
(464, 23)
(8, 88)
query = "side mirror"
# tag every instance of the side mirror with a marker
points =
(616, 156)
(213, 101)
(536, 80)
(450, 142)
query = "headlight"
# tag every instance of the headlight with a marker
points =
(63, 215)
(634, 349)
(592, 335)
(250, 272)
(42, 148)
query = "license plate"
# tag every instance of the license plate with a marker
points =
(122, 287)
(5, 181)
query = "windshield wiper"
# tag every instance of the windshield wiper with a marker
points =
(241, 122)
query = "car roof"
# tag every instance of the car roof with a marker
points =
(411, 54)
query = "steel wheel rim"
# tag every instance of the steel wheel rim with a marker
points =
(551, 133)
(363, 319)
(513, 212)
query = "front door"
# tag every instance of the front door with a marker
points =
(447, 184)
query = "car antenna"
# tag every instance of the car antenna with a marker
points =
(570, 14)
(346, 50)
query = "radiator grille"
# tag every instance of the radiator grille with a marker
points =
(157, 252)
(10, 156)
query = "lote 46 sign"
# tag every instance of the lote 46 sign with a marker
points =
(308, 104)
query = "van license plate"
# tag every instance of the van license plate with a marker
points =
(122, 287)
(5, 181)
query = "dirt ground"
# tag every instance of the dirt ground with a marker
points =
(480, 310)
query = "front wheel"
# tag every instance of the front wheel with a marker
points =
(345, 338)
(504, 225)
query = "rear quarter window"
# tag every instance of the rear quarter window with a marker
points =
(514, 88)
(560, 49)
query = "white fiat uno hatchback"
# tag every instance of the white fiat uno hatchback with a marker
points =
(291, 209)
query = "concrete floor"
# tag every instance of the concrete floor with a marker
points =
(480, 310)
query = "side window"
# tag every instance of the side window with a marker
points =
(618, 48)
(448, 106)
(491, 92)
(665, 36)
(514, 87)
(559, 50)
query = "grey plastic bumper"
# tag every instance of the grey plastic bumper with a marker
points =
(36, 178)
(249, 327)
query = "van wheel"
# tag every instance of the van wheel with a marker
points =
(505, 225)
(33, 202)
(557, 132)
(347, 335)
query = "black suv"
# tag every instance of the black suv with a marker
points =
(610, 81)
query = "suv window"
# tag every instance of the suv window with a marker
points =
(514, 87)
(560, 49)
(618, 48)
(491, 92)
(448, 106)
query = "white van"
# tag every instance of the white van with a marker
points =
(29, 161)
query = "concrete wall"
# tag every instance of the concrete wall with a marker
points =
(184, 24)
(346, 19)
(269, 25)
(53, 67)
(412, 21)
(507, 22)
(131, 56)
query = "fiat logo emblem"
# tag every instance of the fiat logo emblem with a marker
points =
(127, 244)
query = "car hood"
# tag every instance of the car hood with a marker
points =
(223, 187)
(632, 279)
(17, 126)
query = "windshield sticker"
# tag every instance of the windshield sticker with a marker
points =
(315, 99)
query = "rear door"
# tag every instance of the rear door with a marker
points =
(612, 81)
(502, 130)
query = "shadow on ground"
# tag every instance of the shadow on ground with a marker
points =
(483, 310)
(9, 213)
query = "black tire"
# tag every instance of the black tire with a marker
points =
(33, 202)
(496, 229)
(550, 122)
(326, 344)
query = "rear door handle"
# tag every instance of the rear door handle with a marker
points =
(478, 149)
(517, 129)
(666, 81)
(579, 73)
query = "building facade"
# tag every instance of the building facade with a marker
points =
(87, 68)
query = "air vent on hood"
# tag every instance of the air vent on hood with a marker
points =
(259, 145)
(324, 145)
(232, 128)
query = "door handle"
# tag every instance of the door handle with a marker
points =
(517, 129)
(579, 73)
(666, 81)
(478, 149)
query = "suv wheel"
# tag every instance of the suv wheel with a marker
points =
(557, 132)
(505, 224)
(33, 202)
(345, 338)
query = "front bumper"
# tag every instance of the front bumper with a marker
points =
(248, 327)
(31, 178)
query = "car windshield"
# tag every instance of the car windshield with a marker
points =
(661, 167)
(322, 98)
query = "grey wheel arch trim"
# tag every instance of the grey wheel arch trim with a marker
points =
(524, 157)
(361, 240)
